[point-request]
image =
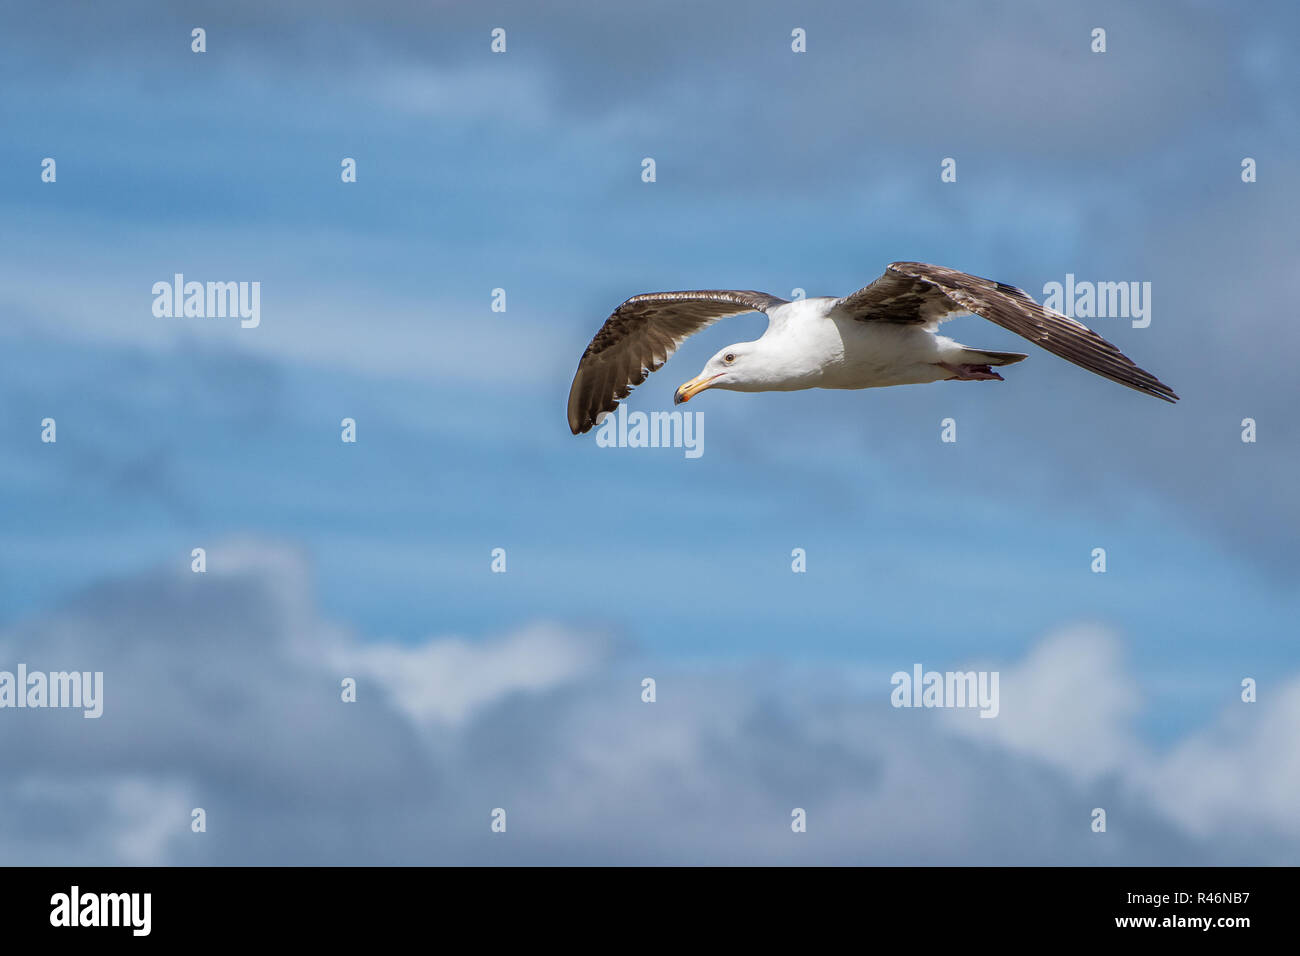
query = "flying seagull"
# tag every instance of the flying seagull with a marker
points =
(884, 334)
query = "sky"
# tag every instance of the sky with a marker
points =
(523, 171)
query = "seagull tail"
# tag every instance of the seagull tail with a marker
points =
(981, 357)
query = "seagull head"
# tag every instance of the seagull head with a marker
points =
(730, 368)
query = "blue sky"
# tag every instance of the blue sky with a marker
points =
(775, 170)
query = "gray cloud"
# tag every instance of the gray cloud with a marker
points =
(222, 692)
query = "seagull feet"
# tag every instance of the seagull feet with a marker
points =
(969, 373)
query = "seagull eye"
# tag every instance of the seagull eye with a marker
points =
(729, 357)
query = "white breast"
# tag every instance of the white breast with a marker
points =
(829, 350)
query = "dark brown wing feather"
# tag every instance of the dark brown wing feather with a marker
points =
(639, 337)
(915, 292)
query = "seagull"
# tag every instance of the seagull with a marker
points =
(883, 334)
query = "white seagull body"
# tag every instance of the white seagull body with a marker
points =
(884, 334)
(811, 344)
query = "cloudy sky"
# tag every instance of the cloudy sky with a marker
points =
(775, 171)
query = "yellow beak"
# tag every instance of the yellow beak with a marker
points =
(692, 388)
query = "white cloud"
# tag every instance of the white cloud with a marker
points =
(1069, 704)
(450, 679)
(1241, 775)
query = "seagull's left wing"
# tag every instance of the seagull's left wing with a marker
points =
(638, 338)
(921, 294)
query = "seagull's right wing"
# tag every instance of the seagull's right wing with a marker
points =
(917, 293)
(639, 337)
